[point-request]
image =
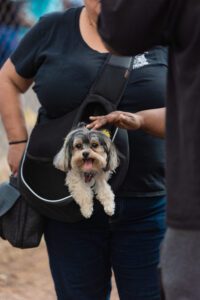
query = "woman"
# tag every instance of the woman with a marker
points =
(62, 55)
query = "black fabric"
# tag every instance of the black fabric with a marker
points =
(177, 24)
(20, 224)
(146, 173)
(133, 27)
(50, 45)
(40, 182)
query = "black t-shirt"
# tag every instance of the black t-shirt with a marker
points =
(134, 26)
(64, 67)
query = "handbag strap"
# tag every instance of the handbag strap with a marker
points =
(113, 78)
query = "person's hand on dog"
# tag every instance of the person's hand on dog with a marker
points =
(15, 153)
(151, 121)
(120, 119)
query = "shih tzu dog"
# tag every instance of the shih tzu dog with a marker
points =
(89, 158)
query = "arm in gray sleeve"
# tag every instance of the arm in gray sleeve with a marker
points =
(130, 27)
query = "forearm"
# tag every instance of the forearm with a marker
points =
(153, 121)
(11, 111)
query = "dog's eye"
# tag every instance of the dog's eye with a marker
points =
(78, 146)
(94, 145)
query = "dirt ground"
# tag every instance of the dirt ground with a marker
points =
(25, 274)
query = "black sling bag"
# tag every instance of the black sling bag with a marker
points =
(41, 184)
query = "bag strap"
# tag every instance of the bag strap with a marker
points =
(113, 78)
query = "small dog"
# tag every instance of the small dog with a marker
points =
(89, 158)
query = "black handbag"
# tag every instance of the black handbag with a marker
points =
(20, 224)
(41, 184)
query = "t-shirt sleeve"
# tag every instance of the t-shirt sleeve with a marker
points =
(27, 56)
(132, 27)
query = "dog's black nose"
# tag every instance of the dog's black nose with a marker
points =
(85, 154)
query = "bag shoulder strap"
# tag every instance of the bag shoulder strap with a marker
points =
(113, 78)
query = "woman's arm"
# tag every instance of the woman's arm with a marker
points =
(150, 120)
(11, 86)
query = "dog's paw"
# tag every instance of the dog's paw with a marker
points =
(87, 211)
(109, 208)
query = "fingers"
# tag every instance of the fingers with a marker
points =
(15, 172)
(15, 153)
(13, 168)
(97, 123)
(120, 119)
(100, 121)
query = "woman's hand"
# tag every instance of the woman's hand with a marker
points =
(151, 121)
(15, 153)
(120, 119)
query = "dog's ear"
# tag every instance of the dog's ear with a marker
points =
(113, 159)
(61, 160)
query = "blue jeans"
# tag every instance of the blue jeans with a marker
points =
(81, 255)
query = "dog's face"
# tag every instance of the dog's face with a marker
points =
(88, 151)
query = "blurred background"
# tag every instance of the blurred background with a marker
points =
(24, 274)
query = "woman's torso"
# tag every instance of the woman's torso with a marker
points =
(66, 67)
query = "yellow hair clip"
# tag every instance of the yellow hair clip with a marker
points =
(106, 132)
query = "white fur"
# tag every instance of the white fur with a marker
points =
(83, 192)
